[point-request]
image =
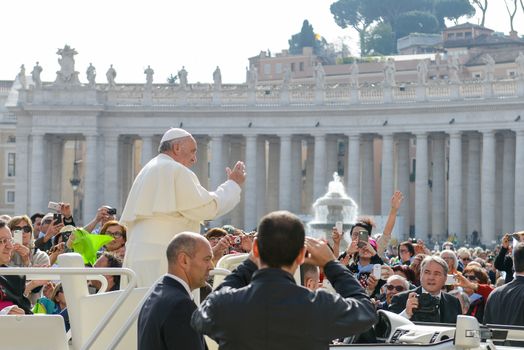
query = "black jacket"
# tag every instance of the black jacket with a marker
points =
(272, 312)
(163, 322)
(449, 306)
(12, 289)
(506, 304)
(504, 262)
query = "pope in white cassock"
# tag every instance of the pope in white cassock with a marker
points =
(166, 198)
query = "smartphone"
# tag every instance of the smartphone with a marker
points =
(238, 240)
(17, 236)
(377, 270)
(111, 211)
(65, 236)
(363, 238)
(54, 206)
(57, 218)
(339, 226)
(451, 280)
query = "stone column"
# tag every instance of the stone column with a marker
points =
(217, 168)
(308, 190)
(296, 175)
(403, 172)
(421, 187)
(112, 185)
(353, 168)
(488, 186)
(250, 189)
(508, 184)
(455, 185)
(202, 165)
(147, 149)
(473, 198)
(57, 154)
(519, 179)
(331, 156)
(387, 173)
(37, 188)
(319, 175)
(238, 152)
(91, 198)
(261, 177)
(217, 162)
(23, 171)
(273, 175)
(367, 193)
(438, 188)
(284, 192)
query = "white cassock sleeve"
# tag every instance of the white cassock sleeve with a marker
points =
(227, 197)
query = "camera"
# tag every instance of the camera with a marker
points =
(428, 309)
(110, 210)
(237, 240)
(363, 238)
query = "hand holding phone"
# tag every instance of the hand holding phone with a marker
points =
(451, 280)
(17, 236)
(339, 226)
(363, 238)
(54, 206)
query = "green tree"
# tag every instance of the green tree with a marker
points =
(357, 14)
(416, 22)
(381, 40)
(453, 10)
(306, 38)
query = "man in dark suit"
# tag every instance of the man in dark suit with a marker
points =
(433, 273)
(164, 319)
(505, 304)
(259, 305)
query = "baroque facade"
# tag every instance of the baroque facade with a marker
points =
(454, 148)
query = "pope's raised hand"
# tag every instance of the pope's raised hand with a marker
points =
(238, 174)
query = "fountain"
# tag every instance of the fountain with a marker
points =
(334, 206)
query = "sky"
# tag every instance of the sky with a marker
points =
(197, 34)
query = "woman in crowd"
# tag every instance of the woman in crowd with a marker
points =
(12, 299)
(119, 232)
(475, 282)
(26, 254)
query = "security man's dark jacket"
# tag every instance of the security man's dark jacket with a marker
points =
(270, 311)
(506, 304)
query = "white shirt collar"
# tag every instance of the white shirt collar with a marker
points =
(182, 282)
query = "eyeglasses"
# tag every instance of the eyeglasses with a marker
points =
(397, 288)
(47, 221)
(26, 229)
(115, 234)
(4, 241)
(471, 277)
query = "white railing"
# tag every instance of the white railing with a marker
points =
(38, 272)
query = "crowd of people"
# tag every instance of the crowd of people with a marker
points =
(345, 278)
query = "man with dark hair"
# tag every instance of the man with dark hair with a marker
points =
(163, 322)
(36, 220)
(505, 304)
(270, 310)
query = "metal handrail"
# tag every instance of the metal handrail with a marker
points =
(99, 278)
(131, 319)
(84, 271)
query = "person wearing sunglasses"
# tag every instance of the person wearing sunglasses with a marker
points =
(12, 287)
(395, 284)
(26, 254)
(475, 282)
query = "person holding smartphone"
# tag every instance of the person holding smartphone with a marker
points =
(25, 253)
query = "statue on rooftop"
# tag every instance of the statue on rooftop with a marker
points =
(217, 78)
(149, 72)
(286, 76)
(67, 75)
(320, 76)
(182, 77)
(453, 70)
(354, 74)
(422, 72)
(35, 75)
(520, 65)
(252, 77)
(389, 72)
(489, 68)
(21, 77)
(91, 75)
(111, 75)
